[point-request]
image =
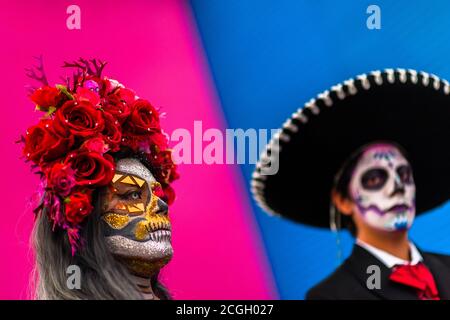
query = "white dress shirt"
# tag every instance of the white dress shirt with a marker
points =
(388, 259)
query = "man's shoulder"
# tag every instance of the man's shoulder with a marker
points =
(443, 258)
(338, 285)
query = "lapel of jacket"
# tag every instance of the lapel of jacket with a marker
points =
(359, 262)
(440, 272)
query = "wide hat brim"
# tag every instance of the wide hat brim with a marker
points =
(406, 107)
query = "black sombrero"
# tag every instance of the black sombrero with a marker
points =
(407, 107)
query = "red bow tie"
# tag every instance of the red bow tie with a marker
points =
(418, 277)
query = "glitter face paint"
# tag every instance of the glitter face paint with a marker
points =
(138, 230)
(383, 188)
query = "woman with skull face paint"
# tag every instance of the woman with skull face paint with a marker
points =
(355, 157)
(106, 172)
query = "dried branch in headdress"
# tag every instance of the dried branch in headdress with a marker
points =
(83, 67)
(92, 67)
(99, 66)
(73, 82)
(37, 73)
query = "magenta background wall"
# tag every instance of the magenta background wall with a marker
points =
(152, 47)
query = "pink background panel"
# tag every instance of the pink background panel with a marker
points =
(152, 47)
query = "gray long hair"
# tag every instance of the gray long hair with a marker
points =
(103, 277)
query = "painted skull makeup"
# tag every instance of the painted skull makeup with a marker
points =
(138, 230)
(383, 189)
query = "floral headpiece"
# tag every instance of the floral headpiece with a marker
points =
(87, 121)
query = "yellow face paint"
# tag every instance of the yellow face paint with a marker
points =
(131, 198)
(116, 221)
(153, 221)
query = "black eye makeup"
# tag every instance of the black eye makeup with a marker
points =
(405, 174)
(374, 179)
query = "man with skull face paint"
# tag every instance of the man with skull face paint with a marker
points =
(358, 154)
(106, 177)
(382, 190)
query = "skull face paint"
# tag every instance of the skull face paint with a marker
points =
(138, 230)
(383, 189)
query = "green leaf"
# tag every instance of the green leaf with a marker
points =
(50, 111)
(63, 89)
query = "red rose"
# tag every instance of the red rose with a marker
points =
(91, 168)
(173, 174)
(131, 141)
(46, 97)
(159, 140)
(112, 132)
(143, 118)
(111, 85)
(87, 94)
(127, 95)
(43, 144)
(151, 143)
(165, 168)
(77, 207)
(61, 178)
(79, 119)
(169, 194)
(96, 144)
(114, 105)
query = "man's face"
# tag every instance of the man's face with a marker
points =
(138, 230)
(383, 189)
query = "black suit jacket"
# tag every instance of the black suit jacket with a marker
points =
(349, 281)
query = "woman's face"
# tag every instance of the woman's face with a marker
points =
(138, 230)
(383, 189)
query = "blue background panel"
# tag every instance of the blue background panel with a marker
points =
(269, 57)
